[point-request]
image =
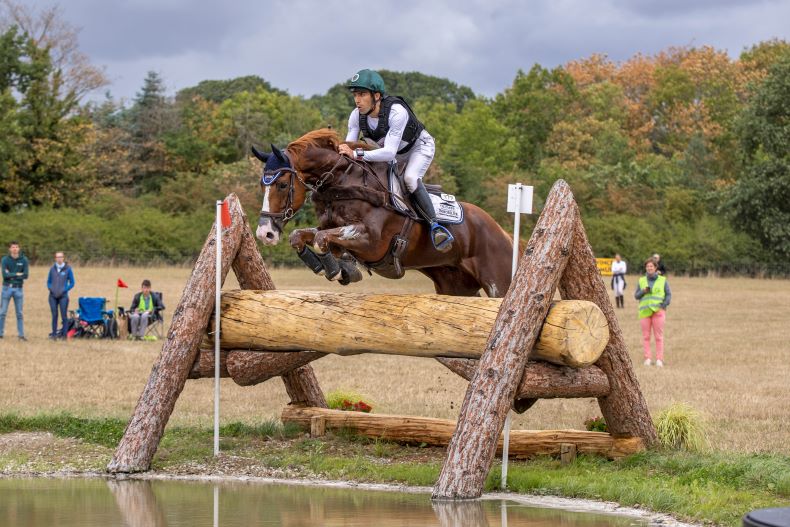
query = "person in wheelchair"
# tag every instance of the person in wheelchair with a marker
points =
(145, 308)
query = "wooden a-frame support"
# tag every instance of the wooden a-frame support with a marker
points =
(558, 255)
(180, 349)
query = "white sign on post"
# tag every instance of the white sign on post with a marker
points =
(519, 198)
(519, 201)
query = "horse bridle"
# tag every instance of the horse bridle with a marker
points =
(279, 219)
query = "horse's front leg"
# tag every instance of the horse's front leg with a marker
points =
(349, 238)
(352, 238)
(300, 240)
(301, 237)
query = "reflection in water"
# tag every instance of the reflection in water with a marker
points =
(133, 503)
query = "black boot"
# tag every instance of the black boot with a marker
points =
(622, 302)
(440, 236)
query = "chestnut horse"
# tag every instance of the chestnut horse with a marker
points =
(356, 218)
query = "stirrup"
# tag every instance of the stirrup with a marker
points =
(445, 245)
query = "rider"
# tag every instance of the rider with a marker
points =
(389, 121)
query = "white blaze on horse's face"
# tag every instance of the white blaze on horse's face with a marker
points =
(267, 231)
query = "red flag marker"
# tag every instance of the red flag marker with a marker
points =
(121, 283)
(226, 220)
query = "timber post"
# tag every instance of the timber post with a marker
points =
(492, 389)
(562, 259)
(177, 361)
(624, 408)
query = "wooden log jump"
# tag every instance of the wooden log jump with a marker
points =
(574, 333)
(262, 343)
(438, 432)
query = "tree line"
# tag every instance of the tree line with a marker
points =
(683, 152)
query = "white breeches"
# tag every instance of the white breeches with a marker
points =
(619, 283)
(419, 159)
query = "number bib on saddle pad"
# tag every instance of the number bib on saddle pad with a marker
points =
(448, 210)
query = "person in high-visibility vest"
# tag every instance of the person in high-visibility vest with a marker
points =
(654, 296)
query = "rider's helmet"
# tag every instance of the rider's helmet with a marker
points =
(367, 80)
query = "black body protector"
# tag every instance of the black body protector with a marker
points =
(441, 237)
(413, 128)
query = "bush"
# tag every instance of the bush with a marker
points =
(596, 424)
(347, 400)
(680, 427)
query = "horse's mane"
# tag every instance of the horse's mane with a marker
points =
(321, 138)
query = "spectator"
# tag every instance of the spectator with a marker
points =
(144, 306)
(654, 296)
(619, 269)
(659, 265)
(15, 271)
(59, 282)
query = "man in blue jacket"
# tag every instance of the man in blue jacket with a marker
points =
(15, 270)
(59, 282)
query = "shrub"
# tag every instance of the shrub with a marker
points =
(348, 400)
(596, 424)
(680, 427)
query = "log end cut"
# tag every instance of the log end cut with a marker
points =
(574, 334)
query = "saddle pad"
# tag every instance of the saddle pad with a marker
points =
(448, 210)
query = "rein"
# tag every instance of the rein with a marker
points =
(337, 193)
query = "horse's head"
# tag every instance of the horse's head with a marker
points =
(283, 194)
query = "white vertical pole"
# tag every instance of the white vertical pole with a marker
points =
(506, 431)
(216, 506)
(218, 287)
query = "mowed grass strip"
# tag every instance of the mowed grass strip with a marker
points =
(713, 487)
(727, 356)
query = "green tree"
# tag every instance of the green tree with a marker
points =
(758, 202)
(150, 118)
(262, 117)
(478, 148)
(531, 107)
(218, 91)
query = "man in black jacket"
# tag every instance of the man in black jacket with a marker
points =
(145, 306)
(59, 282)
(15, 272)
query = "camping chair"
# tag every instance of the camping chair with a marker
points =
(156, 324)
(92, 320)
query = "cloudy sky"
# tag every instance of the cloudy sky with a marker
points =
(306, 46)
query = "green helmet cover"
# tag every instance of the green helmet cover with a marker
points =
(367, 80)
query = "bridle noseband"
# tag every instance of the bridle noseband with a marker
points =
(269, 177)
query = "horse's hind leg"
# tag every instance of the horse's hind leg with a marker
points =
(493, 276)
(452, 281)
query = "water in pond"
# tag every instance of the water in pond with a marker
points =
(98, 502)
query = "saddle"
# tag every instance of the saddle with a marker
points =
(448, 210)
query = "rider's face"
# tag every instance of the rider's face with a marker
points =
(364, 100)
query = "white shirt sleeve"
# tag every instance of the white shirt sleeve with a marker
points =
(398, 119)
(353, 126)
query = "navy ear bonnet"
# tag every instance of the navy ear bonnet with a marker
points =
(276, 164)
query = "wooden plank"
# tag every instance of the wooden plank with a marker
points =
(439, 432)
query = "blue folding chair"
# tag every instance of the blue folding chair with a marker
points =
(92, 320)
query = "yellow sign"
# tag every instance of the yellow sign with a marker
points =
(604, 266)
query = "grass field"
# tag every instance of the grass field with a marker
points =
(727, 355)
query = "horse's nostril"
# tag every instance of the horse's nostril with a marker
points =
(269, 235)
